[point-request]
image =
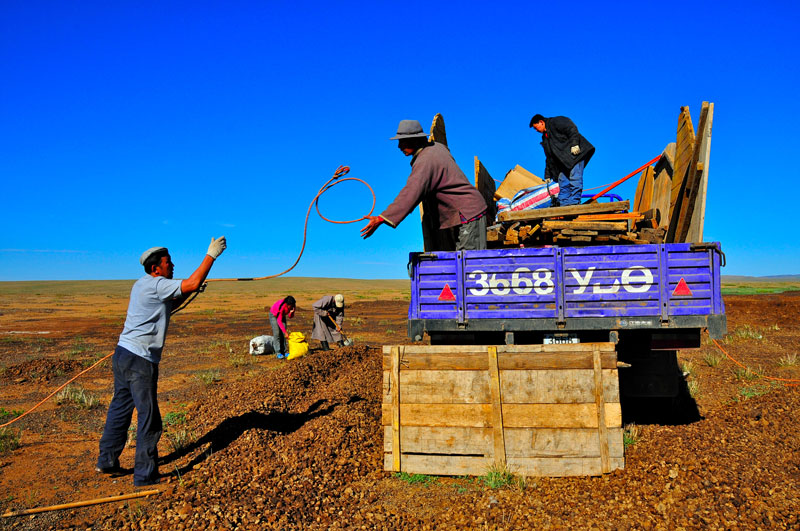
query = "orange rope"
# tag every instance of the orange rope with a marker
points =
(797, 381)
(617, 183)
(333, 181)
(104, 358)
(340, 172)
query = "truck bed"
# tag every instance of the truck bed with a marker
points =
(563, 289)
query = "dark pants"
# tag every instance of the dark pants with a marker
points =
(135, 385)
(278, 337)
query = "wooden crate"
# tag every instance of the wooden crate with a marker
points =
(539, 410)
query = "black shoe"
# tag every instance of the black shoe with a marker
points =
(324, 345)
(111, 470)
(340, 343)
(155, 480)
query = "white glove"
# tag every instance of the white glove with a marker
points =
(575, 150)
(216, 247)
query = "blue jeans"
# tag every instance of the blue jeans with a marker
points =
(570, 188)
(135, 385)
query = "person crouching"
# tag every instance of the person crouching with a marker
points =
(280, 311)
(327, 311)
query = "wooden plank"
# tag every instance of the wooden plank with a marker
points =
(485, 185)
(566, 349)
(662, 186)
(684, 148)
(644, 190)
(601, 412)
(396, 409)
(498, 440)
(458, 465)
(438, 133)
(443, 465)
(633, 216)
(514, 415)
(519, 442)
(574, 210)
(467, 360)
(690, 188)
(585, 225)
(571, 232)
(695, 233)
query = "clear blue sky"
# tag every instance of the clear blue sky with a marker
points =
(125, 125)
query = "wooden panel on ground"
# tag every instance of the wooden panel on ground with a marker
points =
(644, 190)
(485, 185)
(542, 410)
(575, 210)
(703, 147)
(662, 186)
(684, 148)
(681, 218)
(515, 180)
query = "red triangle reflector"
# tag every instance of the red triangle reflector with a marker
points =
(682, 289)
(447, 294)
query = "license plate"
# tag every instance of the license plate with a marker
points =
(560, 339)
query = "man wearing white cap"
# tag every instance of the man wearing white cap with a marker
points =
(454, 205)
(327, 310)
(136, 358)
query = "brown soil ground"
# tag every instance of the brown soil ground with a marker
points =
(298, 445)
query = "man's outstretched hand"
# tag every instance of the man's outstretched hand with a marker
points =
(374, 223)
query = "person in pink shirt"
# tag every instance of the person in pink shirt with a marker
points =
(282, 309)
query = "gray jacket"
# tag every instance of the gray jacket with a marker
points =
(441, 186)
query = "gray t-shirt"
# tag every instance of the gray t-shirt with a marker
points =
(148, 316)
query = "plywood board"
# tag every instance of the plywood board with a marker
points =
(519, 442)
(575, 210)
(517, 386)
(438, 133)
(467, 358)
(458, 465)
(485, 185)
(690, 188)
(644, 190)
(514, 415)
(684, 148)
(695, 233)
(662, 186)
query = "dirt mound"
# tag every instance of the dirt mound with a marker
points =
(41, 370)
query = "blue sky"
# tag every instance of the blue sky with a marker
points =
(125, 125)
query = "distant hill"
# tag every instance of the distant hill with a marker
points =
(770, 278)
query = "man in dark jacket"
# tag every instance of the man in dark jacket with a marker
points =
(441, 186)
(566, 155)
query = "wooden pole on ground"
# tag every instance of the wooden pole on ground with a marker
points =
(84, 503)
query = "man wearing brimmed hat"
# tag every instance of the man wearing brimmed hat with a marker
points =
(136, 358)
(441, 186)
(327, 310)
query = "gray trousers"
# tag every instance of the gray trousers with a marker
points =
(472, 235)
(278, 338)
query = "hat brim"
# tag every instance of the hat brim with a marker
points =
(411, 135)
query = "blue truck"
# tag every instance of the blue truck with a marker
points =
(651, 300)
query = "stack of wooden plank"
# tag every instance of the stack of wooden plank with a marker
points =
(578, 225)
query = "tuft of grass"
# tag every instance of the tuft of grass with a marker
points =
(746, 374)
(631, 434)
(131, 439)
(744, 332)
(6, 415)
(389, 331)
(75, 394)
(208, 377)
(174, 418)
(10, 439)
(78, 347)
(753, 391)
(416, 479)
(497, 477)
(687, 367)
(180, 439)
(789, 360)
(694, 388)
(356, 321)
(239, 359)
(384, 322)
(713, 359)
